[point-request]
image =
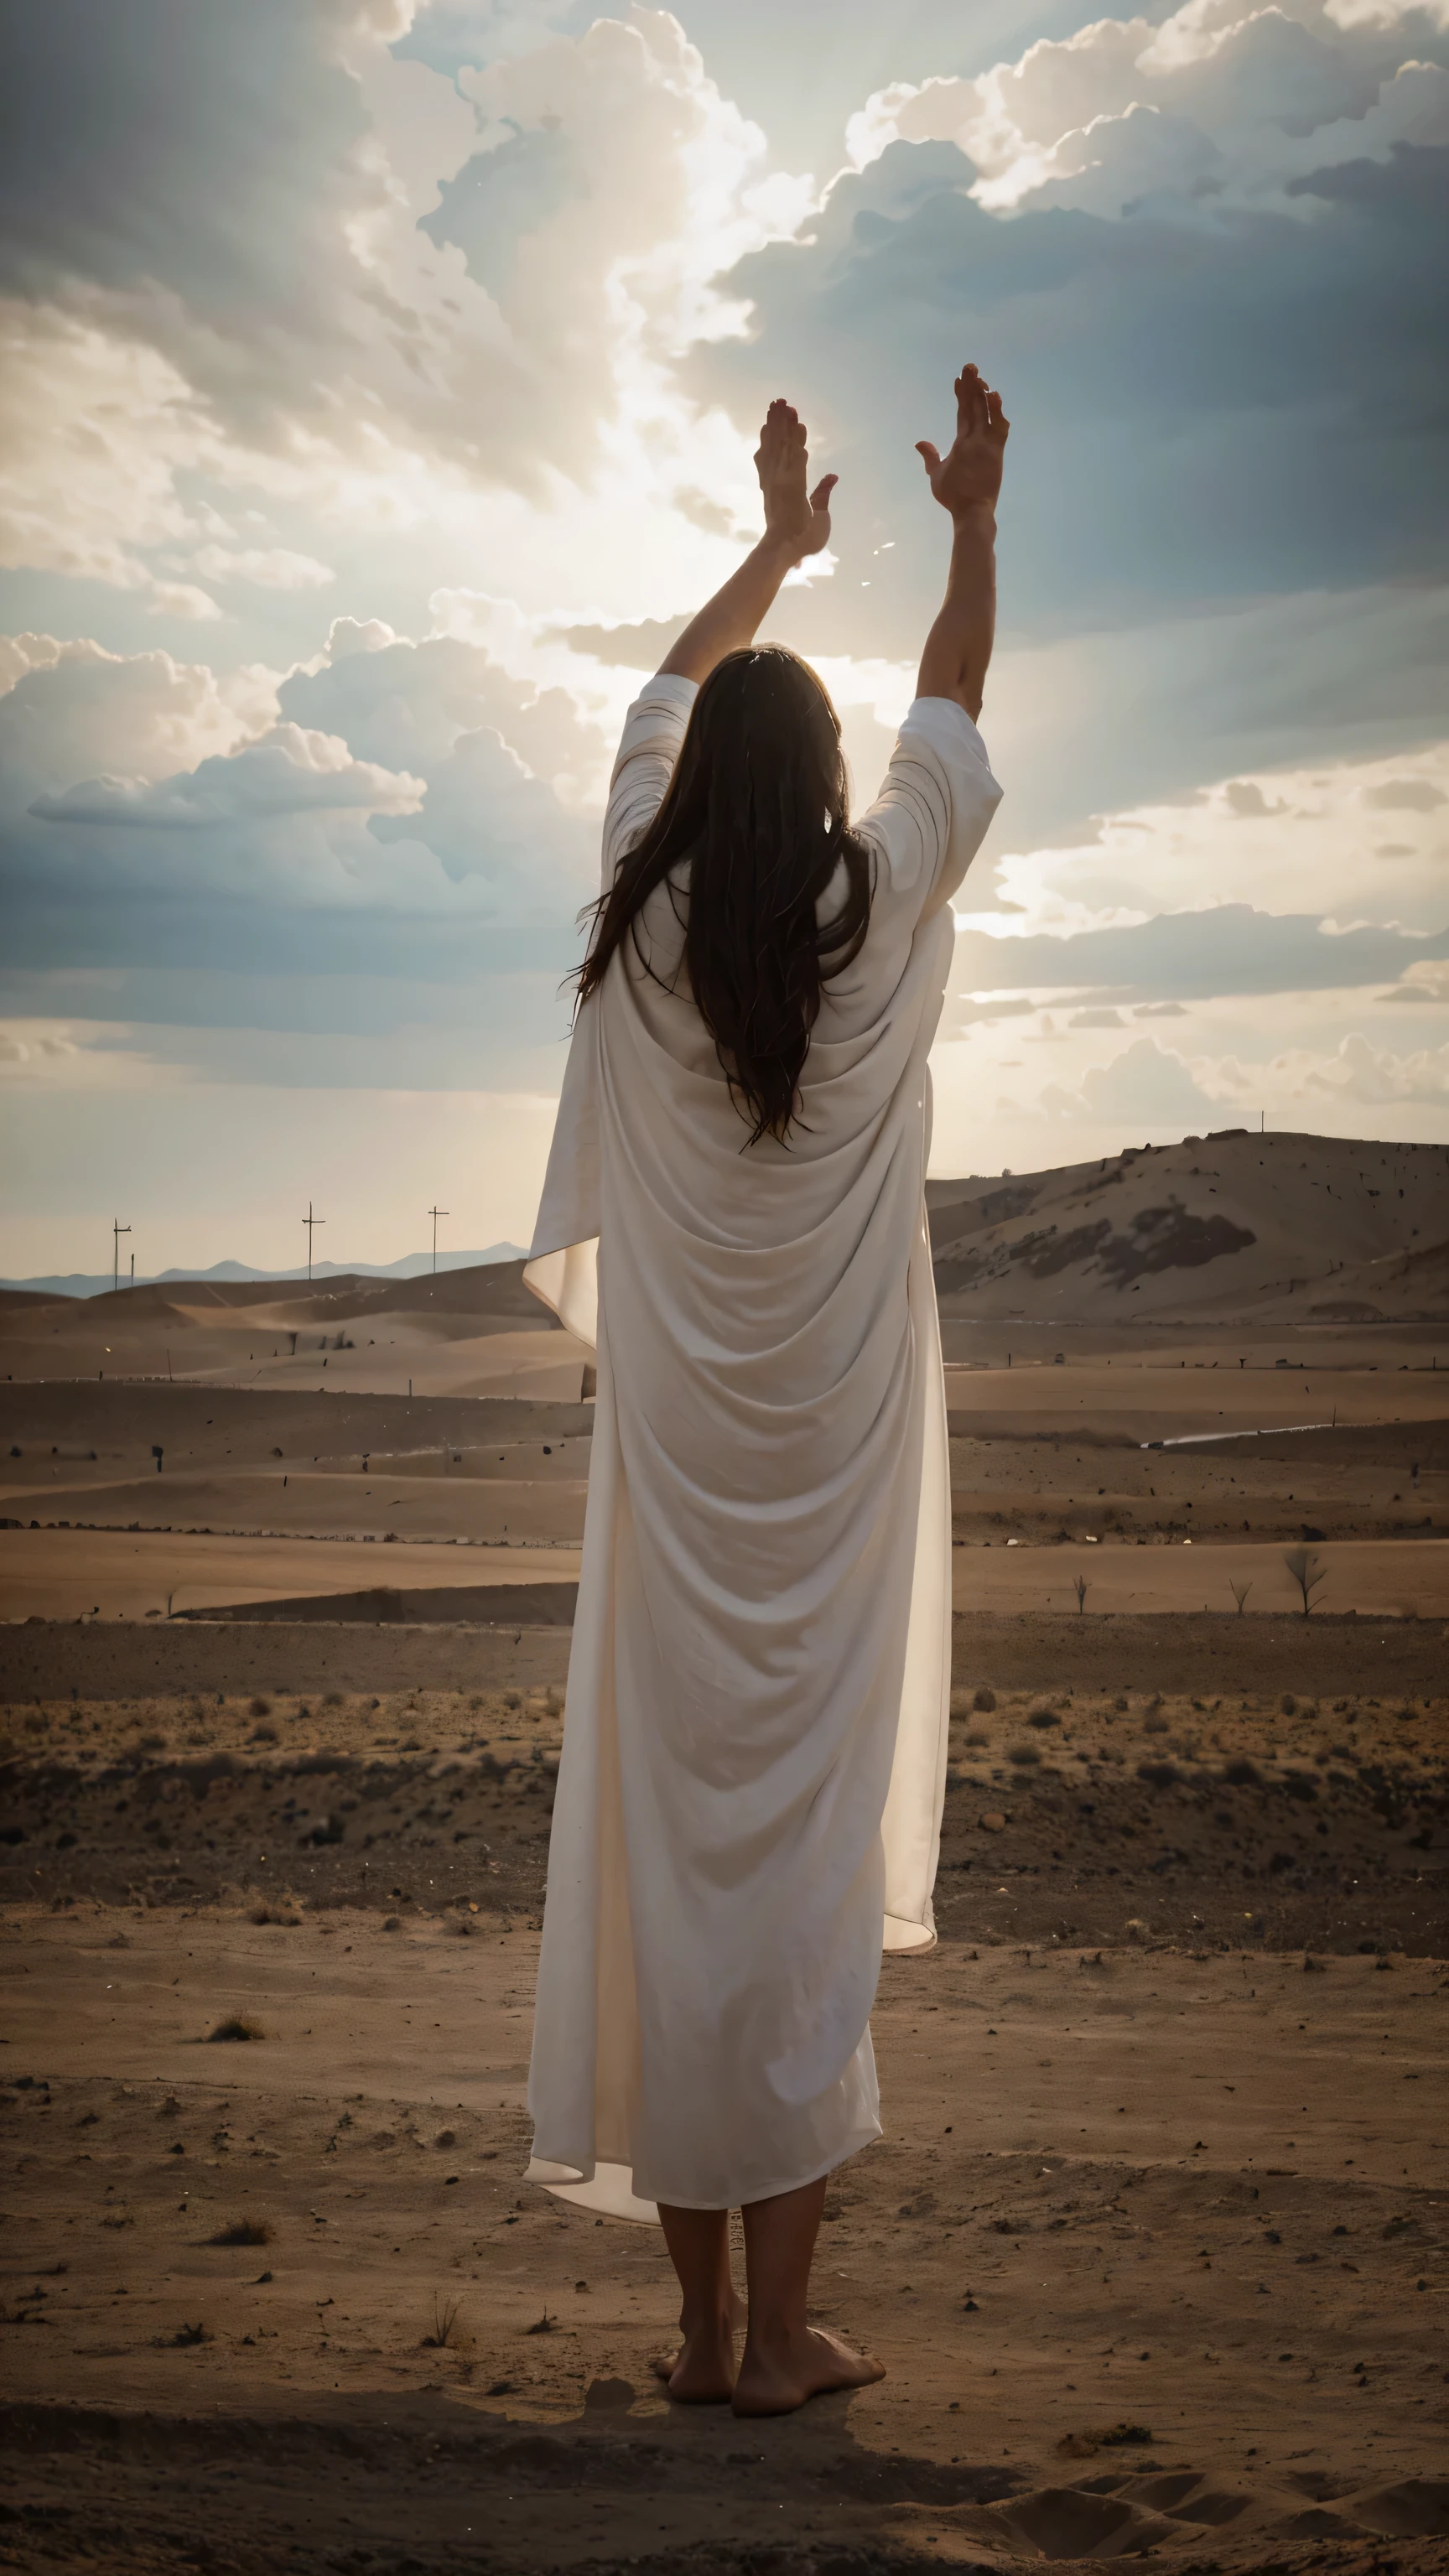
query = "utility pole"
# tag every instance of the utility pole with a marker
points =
(435, 1213)
(310, 1221)
(117, 1230)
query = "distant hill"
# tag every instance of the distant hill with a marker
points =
(490, 1288)
(1282, 1228)
(1305, 1229)
(413, 1265)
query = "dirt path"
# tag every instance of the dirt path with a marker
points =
(1191, 2199)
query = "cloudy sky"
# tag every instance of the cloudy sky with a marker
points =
(380, 383)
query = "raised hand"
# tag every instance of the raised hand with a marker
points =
(968, 476)
(796, 520)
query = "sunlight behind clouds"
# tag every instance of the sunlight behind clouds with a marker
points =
(366, 437)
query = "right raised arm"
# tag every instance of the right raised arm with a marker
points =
(966, 482)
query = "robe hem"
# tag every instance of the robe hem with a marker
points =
(552, 2180)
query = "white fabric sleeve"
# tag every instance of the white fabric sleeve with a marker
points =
(654, 728)
(937, 798)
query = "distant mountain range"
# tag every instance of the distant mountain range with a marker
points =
(413, 1265)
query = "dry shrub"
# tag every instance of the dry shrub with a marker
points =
(243, 2231)
(260, 1706)
(1023, 1755)
(984, 1702)
(1288, 1705)
(1155, 1726)
(445, 2318)
(237, 2026)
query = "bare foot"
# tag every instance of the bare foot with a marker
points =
(702, 2372)
(777, 2381)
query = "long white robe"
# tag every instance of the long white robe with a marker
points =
(750, 1794)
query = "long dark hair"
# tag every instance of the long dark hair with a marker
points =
(759, 807)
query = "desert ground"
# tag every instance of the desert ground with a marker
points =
(1153, 2249)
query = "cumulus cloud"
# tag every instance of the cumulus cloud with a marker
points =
(1373, 1078)
(1426, 980)
(507, 764)
(73, 709)
(339, 279)
(1145, 1086)
(1298, 833)
(1216, 108)
(95, 430)
(32, 1049)
(1184, 424)
(1413, 795)
(1149, 1090)
(287, 772)
(389, 777)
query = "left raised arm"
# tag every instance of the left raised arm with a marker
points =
(797, 523)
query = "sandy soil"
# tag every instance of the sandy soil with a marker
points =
(1075, 1813)
(245, 1472)
(469, 1333)
(88, 1571)
(1137, 1396)
(1201, 1655)
(1178, 2033)
(1385, 1579)
(59, 1574)
(1153, 2253)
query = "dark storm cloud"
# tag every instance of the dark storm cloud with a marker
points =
(1203, 409)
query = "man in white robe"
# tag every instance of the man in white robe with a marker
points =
(749, 1801)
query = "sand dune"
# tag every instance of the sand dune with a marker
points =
(466, 1333)
(426, 1360)
(378, 1505)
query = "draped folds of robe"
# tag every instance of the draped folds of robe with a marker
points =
(749, 1799)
